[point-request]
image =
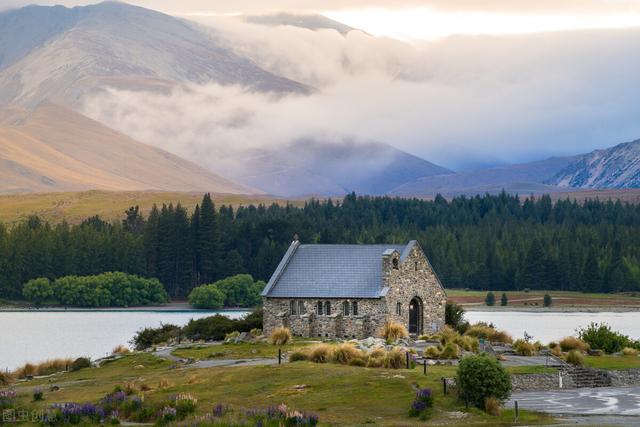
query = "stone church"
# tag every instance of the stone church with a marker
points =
(350, 291)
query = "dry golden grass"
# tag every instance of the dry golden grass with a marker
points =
(393, 331)
(298, 356)
(524, 348)
(449, 351)
(628, 351)
(575, 357)
(344, 353)
(120, 350)
(163, 383)
(432, 353)
(280, 336)
(6, 378)
(492, 406)
(395, 359)
(573, 343)
(321, 353)
(484, 331)
(47, 367)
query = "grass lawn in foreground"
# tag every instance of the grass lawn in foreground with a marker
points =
(237, 351)
(339, 395)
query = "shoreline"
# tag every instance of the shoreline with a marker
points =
(558, 309)
(166, 308)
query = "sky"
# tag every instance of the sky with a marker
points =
(417, 19)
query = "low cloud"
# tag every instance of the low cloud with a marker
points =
(462, 102)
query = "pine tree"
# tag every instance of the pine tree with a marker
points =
(591, 280)
(209, 245)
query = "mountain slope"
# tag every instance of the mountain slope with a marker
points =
(615, 167)
(309, 21)
(328, 168)
(62, 54)
(520, 178)
(56, 149)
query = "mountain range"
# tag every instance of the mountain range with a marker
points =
(52, 59)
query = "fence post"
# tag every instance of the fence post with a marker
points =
(407, 354)
(424, 366)
(517, 411)
(279, 356)
(444, 385)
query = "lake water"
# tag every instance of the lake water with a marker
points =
(552, 326)
(37, 336)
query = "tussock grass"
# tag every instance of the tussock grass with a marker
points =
(47, 367)
(344, 353)
(449, 351)
(524, 348)
(394, 359)
(628, 351)
(573, 343)
(393, 331)
(484, 331)
(492, 406)
(321, 353)
(575, 357)
(6, 378)
(120, 350)
(280, 336)
(163, 383)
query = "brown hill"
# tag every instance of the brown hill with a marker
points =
(53, 148)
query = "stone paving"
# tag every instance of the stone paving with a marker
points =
(583, 401)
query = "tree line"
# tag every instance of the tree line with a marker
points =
(498, 242)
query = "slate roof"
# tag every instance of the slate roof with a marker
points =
(331, 271)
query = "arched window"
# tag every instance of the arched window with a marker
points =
(301, 309)
(395, 263)
(327, 308)
(293, 307)
(345, 308)
(399, 309)
(354, 308)
(319, 308)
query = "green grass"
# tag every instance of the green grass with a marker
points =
(236, 351)
(340, 395)
(612, 362)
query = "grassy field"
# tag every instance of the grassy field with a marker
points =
(74, 207)
(236, 351)
(612, 362)
(339, 395)
(534, 298)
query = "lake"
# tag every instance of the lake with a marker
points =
(38, 336)
(553, 326)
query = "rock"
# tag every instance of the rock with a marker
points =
(138, 367)
(300, 387)
(54, 388)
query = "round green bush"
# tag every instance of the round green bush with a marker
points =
(480, 377)
(206, 296)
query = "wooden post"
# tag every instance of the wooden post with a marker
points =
(279, 356)
(424, 366)
(444, 385)
(517, 411)
(407, 360)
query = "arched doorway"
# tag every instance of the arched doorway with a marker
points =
(415, 316)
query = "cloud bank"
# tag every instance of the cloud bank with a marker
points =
(463, 102)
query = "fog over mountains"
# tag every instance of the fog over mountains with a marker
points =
(295, 105)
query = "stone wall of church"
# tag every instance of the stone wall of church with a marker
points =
(369, 320)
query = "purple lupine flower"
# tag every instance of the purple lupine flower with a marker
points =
(219, 410)
(424, 393)
(419, 405)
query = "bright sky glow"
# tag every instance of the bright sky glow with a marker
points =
(428, 24)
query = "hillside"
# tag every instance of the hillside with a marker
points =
(615, 167)
(55, 149)
(62, 54)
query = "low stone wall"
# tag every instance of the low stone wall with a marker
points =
(625, 377)
(537, 382)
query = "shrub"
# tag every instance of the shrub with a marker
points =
(185, 404)
(280, 336)
(450, 351)
(490, 299)
(628, 351)
(80, 363)
(38, 394)
(47, 367)
(206, 296)
(547, 301)
(395, 359)
(492, 406)
(574, 357)
(524, 348)
(573, 343)
(297, 356)
(553, 345)
(393, 331)
(38, 290)
(344, 353)
(375, 361)
(556, 351)
(454, 317)
(120, 350)
(256, 332)
(480, 377)
(483, 331)
(504, 300)
(467, 343)
(358, 361)
(600, 336)
(320, 353)
(446, 334)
